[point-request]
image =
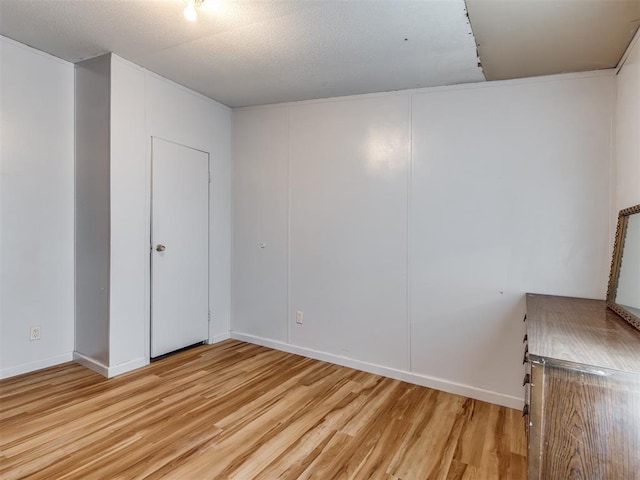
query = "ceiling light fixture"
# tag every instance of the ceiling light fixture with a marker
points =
(190, 12)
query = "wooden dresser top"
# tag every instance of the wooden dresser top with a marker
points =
(581, 331)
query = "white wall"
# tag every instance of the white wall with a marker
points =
(143, 105)
(627, 166)
(414, 222)
(627, 140)
(36, 208)
(510, 194)
(129, 240)
(348, 251)
(126, 106)
(182, 116)
(260, 206)
(92, 209)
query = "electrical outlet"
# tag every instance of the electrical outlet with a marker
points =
(299, 317)
(34, 334)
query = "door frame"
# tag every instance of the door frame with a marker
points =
(148, 239)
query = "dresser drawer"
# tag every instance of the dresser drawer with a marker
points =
(582, 393)
(526, 385)
(533, 419)
(590, 428)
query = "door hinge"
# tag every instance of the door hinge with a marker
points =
(209, 316)
(209, 177)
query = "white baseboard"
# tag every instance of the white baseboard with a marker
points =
(109, 372)
(410, 377)
(127, 367)
(37, 365)
(91, 364)
(219, 338)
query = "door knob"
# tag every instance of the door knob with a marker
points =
(160, 248)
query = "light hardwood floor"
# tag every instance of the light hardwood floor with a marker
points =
(241, 411)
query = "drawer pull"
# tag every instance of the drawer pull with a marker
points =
(526, 355)
(525, 410)
(525, 318)
(527, 379)
(525, 338)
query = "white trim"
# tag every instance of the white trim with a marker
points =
(232, 216)
(410, 377)
(91, 364)
(127, 367)
(219, 338)
(627, 52)
(290, 315)
(109, 372)
(37, 365)
(609, 72)
(35, 51)
(408, 231)
(613, 175)
(183, 145)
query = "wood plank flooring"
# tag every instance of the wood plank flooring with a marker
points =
(240, 411)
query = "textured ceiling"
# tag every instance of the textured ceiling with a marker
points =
(259, 51)
(251, 52)
(524, 38)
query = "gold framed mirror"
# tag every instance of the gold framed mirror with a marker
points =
(623, 294)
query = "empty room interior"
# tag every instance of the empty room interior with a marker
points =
(355, 239)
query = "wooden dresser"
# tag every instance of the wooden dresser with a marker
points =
(582, 391)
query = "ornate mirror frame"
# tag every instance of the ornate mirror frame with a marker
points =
(614, 275)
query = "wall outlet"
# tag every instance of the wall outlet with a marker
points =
(34, 334)
(299, 317)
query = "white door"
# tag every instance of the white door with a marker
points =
(179, 247)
